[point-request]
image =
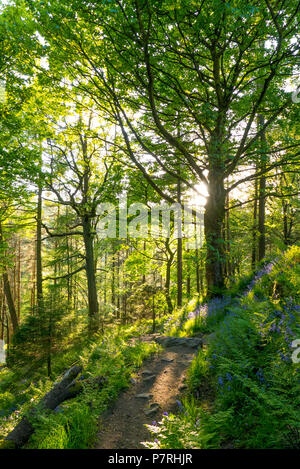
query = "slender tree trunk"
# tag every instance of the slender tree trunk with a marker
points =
(10, 302)
(39, 267)
(19, 281)
(33, 279)
(261, 219)
(69, 267)
(113, 265)
(7, 338)
(254, 240)
(8, 293)
(197, 272)
(144, 275)
(153, 315)
(104, 280)
(262, 198)
(167, 285)
(188, 286)
(2, 313)
(118, 284)
(179, 254)
(286, 225)
(90, 273)
(228, 237)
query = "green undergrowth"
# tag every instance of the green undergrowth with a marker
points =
(243, 386)
(73, 425)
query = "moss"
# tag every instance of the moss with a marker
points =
(76, 388)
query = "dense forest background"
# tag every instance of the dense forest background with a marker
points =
(170, 101)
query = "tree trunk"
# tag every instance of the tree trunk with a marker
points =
(262, 197)
(197, 272)
(261, 219)
(10, 302)
(39, 271)
(113, 264)
(19, 281)
(254, 247)
(153, 315)
(167, 285)
(90, 273)
(118, 285)
(144, 272)
(188, 286)
(228, 238)
(179, 254)
(213, 224)
(287, 224)
(8, 293)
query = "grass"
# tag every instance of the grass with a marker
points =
(243, 386)
(74, 423)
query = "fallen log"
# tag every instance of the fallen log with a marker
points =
(67, 388)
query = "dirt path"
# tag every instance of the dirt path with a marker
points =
(158, 385)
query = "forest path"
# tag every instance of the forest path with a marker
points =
(155, 390)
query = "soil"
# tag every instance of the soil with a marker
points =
(161, 382)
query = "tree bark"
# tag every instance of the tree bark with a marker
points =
(262, 197)
(228, 240)
(261, 219)
(254, 247)
(167, 285)
(213, 224)
(90, 273)
(197, 272)
(39, 271)
(8, 294)
(188, 286)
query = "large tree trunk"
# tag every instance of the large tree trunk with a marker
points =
(90, 273)
(213, 224)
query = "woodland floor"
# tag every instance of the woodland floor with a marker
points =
(162, 381)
